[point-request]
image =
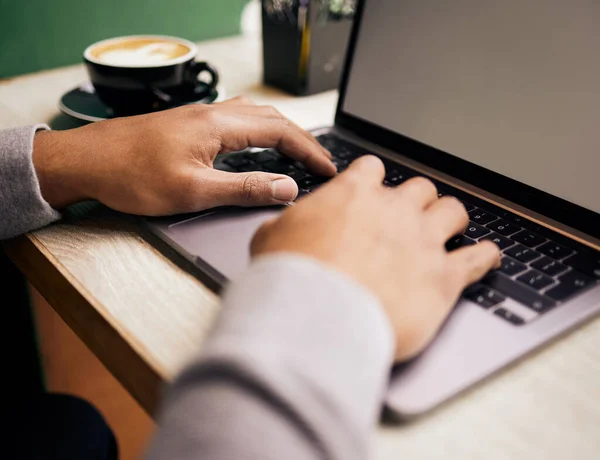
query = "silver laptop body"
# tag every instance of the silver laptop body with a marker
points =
(499, 99)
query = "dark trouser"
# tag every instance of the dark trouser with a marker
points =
(64, 427)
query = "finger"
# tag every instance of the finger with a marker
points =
(219, 188)
(366, 170)
(471, 263)
(314, 140)
(239, 131)
(446, 217)
(272, 112)
(419, 191)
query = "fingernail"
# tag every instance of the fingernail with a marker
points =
(284, 190)
(331, 169)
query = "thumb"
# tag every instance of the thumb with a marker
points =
(221, 188)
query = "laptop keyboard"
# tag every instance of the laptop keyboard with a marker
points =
(540, 269)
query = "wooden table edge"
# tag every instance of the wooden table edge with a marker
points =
(122, 355)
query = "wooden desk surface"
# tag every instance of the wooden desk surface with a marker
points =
(144, 316)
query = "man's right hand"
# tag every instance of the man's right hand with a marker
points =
(391, 240)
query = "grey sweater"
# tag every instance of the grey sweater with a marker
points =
(295, 367)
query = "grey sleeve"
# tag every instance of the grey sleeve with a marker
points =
(295, 369)
(22, 207)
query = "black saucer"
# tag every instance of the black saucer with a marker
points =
(83, 104)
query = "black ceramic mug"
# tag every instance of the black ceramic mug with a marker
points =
(145, 73)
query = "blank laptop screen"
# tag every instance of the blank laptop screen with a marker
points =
(510, 85)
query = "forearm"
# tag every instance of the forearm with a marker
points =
(295, 368)
(22, 206)
(61, 166)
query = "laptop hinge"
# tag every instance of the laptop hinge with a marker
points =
(497, 200)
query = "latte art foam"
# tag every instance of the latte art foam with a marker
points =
(139, 52)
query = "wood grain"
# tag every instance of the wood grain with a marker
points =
(144, 316)
(71, 368)
(122, 297)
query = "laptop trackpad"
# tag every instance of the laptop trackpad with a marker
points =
(222, 238)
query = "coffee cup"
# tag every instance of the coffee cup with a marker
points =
(144, 73)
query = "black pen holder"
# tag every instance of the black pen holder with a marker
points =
(304, 43)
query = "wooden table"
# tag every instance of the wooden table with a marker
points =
(144, 316)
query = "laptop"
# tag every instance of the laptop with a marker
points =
(498, 102)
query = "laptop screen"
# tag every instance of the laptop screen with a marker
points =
(509, 85)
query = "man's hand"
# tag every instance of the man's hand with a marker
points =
(389, 240)
(161, 163)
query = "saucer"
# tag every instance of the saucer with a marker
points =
(83, 104)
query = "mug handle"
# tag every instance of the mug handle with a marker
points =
(198, 67)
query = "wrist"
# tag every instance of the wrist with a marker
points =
(58, 164)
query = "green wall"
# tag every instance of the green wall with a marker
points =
(42, 34)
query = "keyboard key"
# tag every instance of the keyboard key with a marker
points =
(280, 166)
(341, 165)
(504, 227)
(570, 283)
(310, 182)
(513, 218)
(468, 206)
(481, 217)
(237, 161)
(475, 230)
(535, 279)
(298, 165)
(344, 153)
(518, 291)
(549, 266)
(327, 140)
(483, 296)
(459, 241)
(296, 174)
(391, 169)
(509, 316)
(442, 188)
(262, 156)
(501, 241)
(528, 238)
(302, 193)
(522, 254)
(511, 267)
(554, 250)
(345, 150)
(393, 181)
(587, 263)
(394, 169)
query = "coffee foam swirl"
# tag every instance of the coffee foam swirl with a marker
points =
(139, 52)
